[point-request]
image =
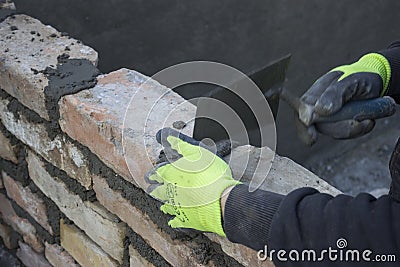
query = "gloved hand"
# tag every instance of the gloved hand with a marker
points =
(367, 78)
(191, 183)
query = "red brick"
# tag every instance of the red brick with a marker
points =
(175, 252)
(27, 200)
(95, 118)
(21, 225)
(31, 258)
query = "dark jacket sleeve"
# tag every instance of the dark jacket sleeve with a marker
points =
(306, 219)
(392, 53)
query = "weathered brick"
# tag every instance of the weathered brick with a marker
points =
(136, 260)
(27, 200)
(95, 118)
(28, 54)
(20, 225)
(174, 251)
(274, 173)
(99, 224)
(31, 258)
(7, 150)
(59, 151)
(58, 257)
(84, 250)
(6, 233)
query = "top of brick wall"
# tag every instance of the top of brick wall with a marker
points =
(27, 48)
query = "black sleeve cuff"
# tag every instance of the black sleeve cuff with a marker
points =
(392, 54)
(248, 215)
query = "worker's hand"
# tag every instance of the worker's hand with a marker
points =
(367, 78)
(191, 183)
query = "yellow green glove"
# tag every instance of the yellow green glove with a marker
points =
(191, 183)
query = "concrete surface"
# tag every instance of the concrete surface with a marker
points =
(362, 165)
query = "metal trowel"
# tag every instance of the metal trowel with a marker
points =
(267, 77)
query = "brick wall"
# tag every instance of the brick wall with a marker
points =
(66, 194)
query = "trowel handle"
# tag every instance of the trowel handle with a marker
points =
(362, 109)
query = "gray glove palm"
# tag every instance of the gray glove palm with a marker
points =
(367, 78)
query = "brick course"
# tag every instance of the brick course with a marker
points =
(20, 225)
(27, 200)
(175, 252)
(94, 220)
(59, 151)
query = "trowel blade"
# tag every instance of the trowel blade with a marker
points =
(267, 77)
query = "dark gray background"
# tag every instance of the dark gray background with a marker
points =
(148, 35)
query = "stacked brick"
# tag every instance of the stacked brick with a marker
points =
(67, 197)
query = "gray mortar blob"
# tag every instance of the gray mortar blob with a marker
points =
(69, 77)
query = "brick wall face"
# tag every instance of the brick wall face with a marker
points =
(67, 196)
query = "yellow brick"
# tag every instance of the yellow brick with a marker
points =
(84, 250)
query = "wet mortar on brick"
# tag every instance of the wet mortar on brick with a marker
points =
(41, 232)
(69, 77)
(144, 250)
(205, 249)
(20, 173)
